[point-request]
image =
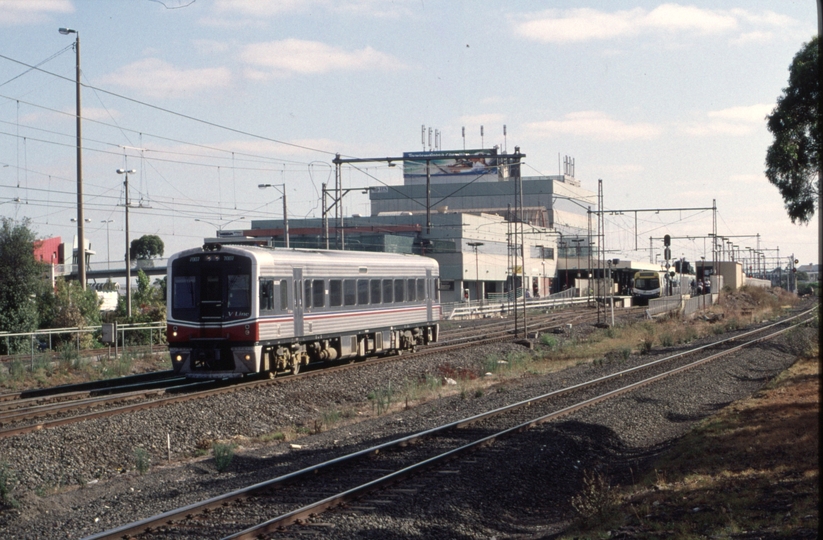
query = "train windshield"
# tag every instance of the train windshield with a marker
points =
(647, 283)
(211, 287)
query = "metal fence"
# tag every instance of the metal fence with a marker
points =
(493, 307)
(44, 341)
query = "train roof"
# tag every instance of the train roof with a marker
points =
(295, 256)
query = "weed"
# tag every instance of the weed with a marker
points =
(549, 341)
(17, 369)
(8, 481)
(666, 339)
(275, 436)
(329, 418)
(646, 344)
(223, 455)
(597, 500)
(478, 393)
(69, 357)
(381, 398)
(142, 460)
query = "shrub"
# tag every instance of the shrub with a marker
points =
(223, 454)
(142, 460)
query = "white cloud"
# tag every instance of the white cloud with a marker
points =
(311, 57)
(578, 25)
(491, 119)
(593, 125)
(14, 12)
(273, 8)
(733, 121)
(156, 78)
(210, 46)
(261, 8)
(753, 37)
(745, 113)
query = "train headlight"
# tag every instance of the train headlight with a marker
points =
(248, 356)
(247, 333)
(178, 358)
(173, 331)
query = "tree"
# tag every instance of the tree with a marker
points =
(20, 282)
(68, 306)
(793, 159)
(146, 247)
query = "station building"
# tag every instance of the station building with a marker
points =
(475, 228)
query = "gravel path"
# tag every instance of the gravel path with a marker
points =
(518, 487)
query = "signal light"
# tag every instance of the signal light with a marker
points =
(667, 240)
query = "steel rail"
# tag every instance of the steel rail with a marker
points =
(235, 386)
(300, 514)
(294, 516)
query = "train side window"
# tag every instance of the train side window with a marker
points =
(437, 289)
(362, 292)
(318, 296)
(349, 292)
(284, 295)
(375, 291)
(266, 295)
(410, 290)
(387, 291)
(421, 289)
(307, 293)
(335, 292)
(399, 285)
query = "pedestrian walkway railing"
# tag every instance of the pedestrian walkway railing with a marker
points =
(489, 307)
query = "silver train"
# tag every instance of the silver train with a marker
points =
(234, 310)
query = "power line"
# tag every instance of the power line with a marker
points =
(174, 113)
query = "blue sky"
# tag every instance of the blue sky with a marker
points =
(665, 102)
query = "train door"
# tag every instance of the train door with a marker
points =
(298, 302)
(429, 296)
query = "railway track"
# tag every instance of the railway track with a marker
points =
(105, 398)
(300, 496)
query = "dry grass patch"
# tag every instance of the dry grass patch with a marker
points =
(752, 467)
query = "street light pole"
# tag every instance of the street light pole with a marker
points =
(128, 247)
(476, 245)
(285, 209)
(81, 241)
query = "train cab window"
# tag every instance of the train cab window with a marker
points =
(335, 292)
(362, 292)
(266, 295)
(387, 291)
(184, 292)
(238, 295)
(318, 293)
(284, 295)
(349, 292)
(410, 290)
(421, 289)
(375, 291)
(399, 285)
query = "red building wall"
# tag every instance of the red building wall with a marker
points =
(48, 250)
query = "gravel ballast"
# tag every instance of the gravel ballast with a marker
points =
(518, 486)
